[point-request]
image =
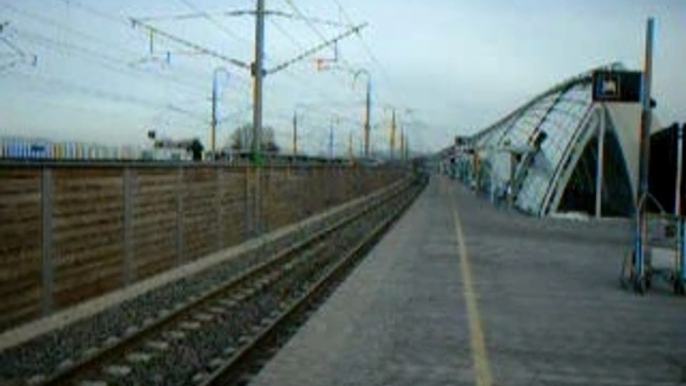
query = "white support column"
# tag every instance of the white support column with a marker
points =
(679, 167)
(677, 202)
(493, 192)
(599, 166)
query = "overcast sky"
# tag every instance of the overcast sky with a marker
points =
(449, 67)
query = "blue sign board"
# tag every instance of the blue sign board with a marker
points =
(617, 86)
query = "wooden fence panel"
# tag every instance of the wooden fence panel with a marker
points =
(233, 206)
(199, 212)
(20, 245)
(88, 233)
(280, 200)
(70, 233)
(154, 221)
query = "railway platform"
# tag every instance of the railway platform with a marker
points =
(461, 293)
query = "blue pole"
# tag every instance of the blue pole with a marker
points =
(638, 255)
(644, 154)
(682, 254)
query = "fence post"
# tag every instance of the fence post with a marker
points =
(248, 231)
(219, 205)
(47, 267)
(298, 190)
(327, 180)
(128, 176)
(179, 216)
(259, 207)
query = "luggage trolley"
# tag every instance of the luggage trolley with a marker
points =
(680, 276)
(663, 257)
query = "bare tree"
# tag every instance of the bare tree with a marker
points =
(241, 139)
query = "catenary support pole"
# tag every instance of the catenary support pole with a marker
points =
(258, 76)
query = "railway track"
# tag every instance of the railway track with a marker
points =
(226, 334)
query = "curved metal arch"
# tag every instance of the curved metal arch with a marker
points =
(585, 77)
(569, 159)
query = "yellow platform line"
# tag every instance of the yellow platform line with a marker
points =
(482, 368)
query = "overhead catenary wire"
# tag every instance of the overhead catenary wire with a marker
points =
(314, 28)
(108, 63)
(200, 49)
(45, 81)
(301, 80)
(301, 47)
(110, 47)
(214, 22)
(197, 75)
(229, 32)
(311, 25)
(224, 29)
(233, 13)
(47, 21)
(113, 61)
(104, 61)
(375, 60)
(53, 44)
(121, 21)
(365, 46)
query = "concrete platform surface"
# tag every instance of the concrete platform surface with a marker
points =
(459, 293)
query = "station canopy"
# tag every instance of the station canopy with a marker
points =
(547, 151)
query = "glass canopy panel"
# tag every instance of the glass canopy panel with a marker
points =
(562, 121)
(520, 130)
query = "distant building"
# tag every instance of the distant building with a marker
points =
(182, 149)
(26, 148)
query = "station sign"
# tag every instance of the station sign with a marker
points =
(617, 86)
(461, 140)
